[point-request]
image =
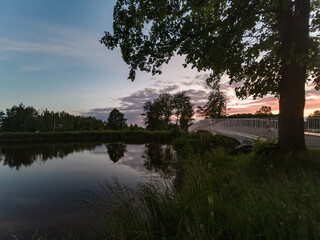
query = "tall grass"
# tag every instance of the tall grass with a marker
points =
(129, 136)
(220, 196)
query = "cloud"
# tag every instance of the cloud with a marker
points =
(132, 105)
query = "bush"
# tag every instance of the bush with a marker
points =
(222, 198)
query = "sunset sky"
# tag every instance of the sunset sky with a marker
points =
(50, 57)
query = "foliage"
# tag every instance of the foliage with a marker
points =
(27, 119)
(153, 115)
(116, 120)
(183, 110)
(219, 196)
(266, 110)
(263, 147)
(201, 142)
(315, 114)
(270, 47)
(158, 114)
(129, 136)
(215, 107)
(237, 37)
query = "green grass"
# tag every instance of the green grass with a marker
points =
(219, 196)
(129, 136)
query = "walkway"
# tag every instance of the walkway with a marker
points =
(246, 131)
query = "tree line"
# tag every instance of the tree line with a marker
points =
(168, 111)
(27, 119)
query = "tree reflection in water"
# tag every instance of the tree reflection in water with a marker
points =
(16, 156)
(116, 151)
(160, 158)
(157, 158)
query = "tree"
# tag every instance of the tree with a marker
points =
(215, 107)
(264, 110)
(153, 115)
(183, 110)
(272, 46)
(158, 114)
(315, 114)
(166, 102)
(2, 114)
(21, 119)
(116, 120)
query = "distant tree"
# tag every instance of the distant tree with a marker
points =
(153, 113)
(2, 114)
(242, 115)
(167, 105)
(134, 127)
(183, 110)
(215, 107)
(272, 47)
(116, 120)
(264, 110)
(315, 114)
(21, 119)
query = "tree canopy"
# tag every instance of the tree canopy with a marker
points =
(23, 118)
(315, 114)
(215, 106)
(270, 46)
(116, 120)
(264, 110)
(158, 114)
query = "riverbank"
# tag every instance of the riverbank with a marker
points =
(129, 136)
(219, 195)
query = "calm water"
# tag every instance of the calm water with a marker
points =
(41, 184)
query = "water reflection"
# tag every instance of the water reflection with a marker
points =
(159, 158)
(116, 151)
(16, 156)
(41, 193)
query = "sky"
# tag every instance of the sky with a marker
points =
(51, 58)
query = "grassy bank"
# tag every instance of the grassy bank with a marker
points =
(218, 195)
(135, 136)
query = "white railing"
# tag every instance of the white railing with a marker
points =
(312, 125)
(254, 126)
(260, 123)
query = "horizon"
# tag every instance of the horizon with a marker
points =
(51, 58)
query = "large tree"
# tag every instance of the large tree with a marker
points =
(183, 110)
(271, 46)
(215, 106)
(158, 114)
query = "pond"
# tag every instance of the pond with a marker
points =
(41, 185)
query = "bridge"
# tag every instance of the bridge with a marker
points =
(247, 130)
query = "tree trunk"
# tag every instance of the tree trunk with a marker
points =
(293, 23)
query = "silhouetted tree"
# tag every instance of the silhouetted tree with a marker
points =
(215, 107)
(153, 115)
(315, 114)
(264, 110)
(27, 119)
(116, 120)
(183, 110)
(166, 102)
(269, 46)
(158, 114)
